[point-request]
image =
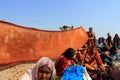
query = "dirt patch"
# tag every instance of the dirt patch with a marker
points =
(15, 72)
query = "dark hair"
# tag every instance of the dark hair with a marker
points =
(112, 49)
(105, 48)
(69, 53)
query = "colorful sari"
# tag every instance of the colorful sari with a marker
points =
(62, 64)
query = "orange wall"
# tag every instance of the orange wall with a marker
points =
(18, 43)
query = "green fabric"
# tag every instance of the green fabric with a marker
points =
(58, 78)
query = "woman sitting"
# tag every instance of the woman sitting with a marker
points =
(43, 70)
(66, 60)
(112, 56)
(94, 64)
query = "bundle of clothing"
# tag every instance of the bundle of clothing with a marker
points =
(76, 73)
(116, 65)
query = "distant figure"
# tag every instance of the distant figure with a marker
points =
(109, 40)
(100, 41)
(105, 45)
(43, 70)
(116, 41)
(92, 39)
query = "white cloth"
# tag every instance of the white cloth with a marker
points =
(27, 76)
(86, 75)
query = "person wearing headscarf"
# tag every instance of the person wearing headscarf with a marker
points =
(43, 70)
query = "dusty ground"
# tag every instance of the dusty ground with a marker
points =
(14, 73)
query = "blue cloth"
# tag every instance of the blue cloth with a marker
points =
(109, 61)
(73, 73)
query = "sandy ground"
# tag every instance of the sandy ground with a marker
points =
(15, 72)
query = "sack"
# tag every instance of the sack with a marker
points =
(116, 65)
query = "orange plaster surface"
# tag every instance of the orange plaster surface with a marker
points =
(21, 44)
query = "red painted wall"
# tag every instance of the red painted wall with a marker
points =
(18, 43)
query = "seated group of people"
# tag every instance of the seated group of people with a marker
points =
(89, 58)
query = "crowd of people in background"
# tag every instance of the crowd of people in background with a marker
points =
(109, 41)
(108, 50)
(96, 60)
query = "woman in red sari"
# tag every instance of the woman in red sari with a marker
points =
(94, 64)
(65, 60)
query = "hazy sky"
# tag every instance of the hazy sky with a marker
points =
(102, 15)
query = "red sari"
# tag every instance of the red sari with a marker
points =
(94, 64)
(93, 61)
(62, 64)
